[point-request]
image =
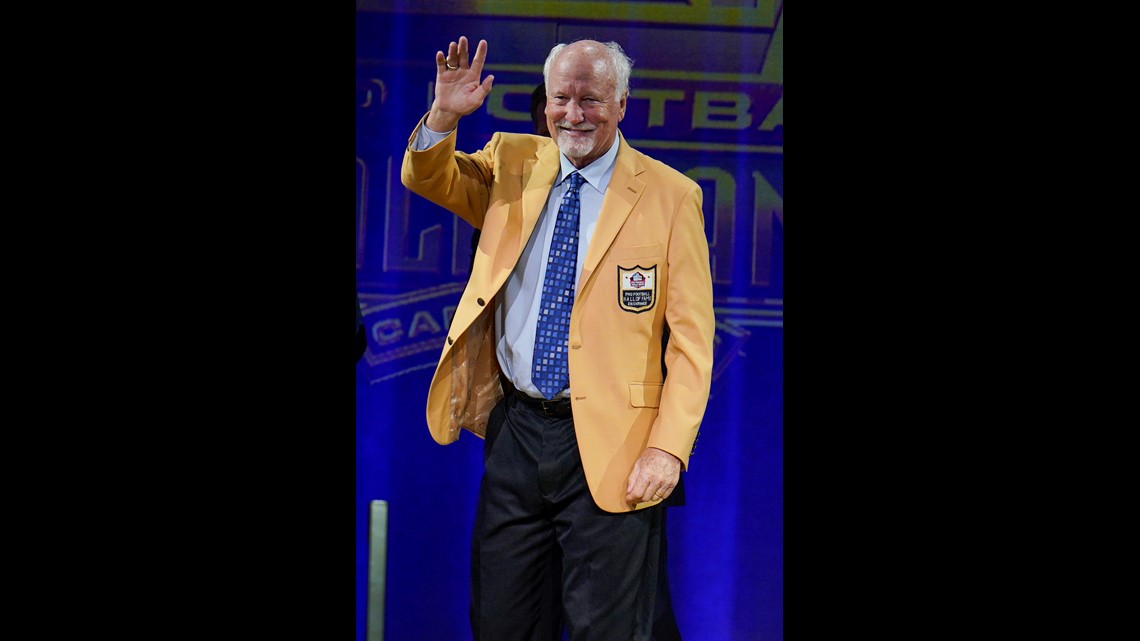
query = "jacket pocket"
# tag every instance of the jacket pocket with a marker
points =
(645, 394)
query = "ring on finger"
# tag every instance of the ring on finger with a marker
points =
(450, 67)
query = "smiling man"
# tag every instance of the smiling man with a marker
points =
(583, 104)
(581, 349)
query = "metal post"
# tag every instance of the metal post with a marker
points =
(377, 567)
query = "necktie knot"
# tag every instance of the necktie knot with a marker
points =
(576, 181)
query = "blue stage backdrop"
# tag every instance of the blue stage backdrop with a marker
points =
(706, 98)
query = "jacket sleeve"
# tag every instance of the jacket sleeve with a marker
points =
(691, 324)
(456, 181)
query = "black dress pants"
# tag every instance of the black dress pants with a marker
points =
(534, 503)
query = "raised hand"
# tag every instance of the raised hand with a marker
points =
(458, 89)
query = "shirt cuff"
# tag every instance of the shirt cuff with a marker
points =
(426, 138)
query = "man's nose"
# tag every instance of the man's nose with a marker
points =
(574, 113)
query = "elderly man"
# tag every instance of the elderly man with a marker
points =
(581, 349)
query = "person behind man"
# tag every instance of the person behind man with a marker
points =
(538, 110)
(581, 348)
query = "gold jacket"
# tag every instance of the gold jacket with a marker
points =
(647, 268)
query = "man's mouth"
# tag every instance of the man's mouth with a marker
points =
(585, 130)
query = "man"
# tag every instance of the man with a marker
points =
(585, 433)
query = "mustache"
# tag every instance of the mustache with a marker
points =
(565, 125)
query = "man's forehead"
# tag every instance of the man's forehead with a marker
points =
(598, 78)
(581, 63)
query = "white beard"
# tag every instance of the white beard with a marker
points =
(575, 147)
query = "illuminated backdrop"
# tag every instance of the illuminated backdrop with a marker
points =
(706, 98)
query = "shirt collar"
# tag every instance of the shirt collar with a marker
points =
(597, 173)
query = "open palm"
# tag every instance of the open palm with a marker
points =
(458, 88)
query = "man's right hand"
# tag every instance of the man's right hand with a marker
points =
(458, 90)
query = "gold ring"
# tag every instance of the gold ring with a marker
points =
(450, 67)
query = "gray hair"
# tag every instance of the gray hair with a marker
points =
(620, 64)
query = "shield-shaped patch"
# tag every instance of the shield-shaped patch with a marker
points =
(637, 288)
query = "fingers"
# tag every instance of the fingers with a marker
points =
(655, 473)
(480, 56)
(645, 491)
(656, 491)
(643, 487)
(448, 61)
(456, 58)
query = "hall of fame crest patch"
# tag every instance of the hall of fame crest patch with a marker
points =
(637, 288)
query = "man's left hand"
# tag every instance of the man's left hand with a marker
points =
(655, 474)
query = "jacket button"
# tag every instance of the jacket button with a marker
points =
(450, 340)
(481, 302)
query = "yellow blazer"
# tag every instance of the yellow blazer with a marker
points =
(647, 268)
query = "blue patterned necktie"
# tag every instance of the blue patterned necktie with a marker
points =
(550, 372)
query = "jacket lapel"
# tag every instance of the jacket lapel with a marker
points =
(538, 178)
(624, 190)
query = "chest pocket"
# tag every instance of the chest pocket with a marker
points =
(637, 252)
